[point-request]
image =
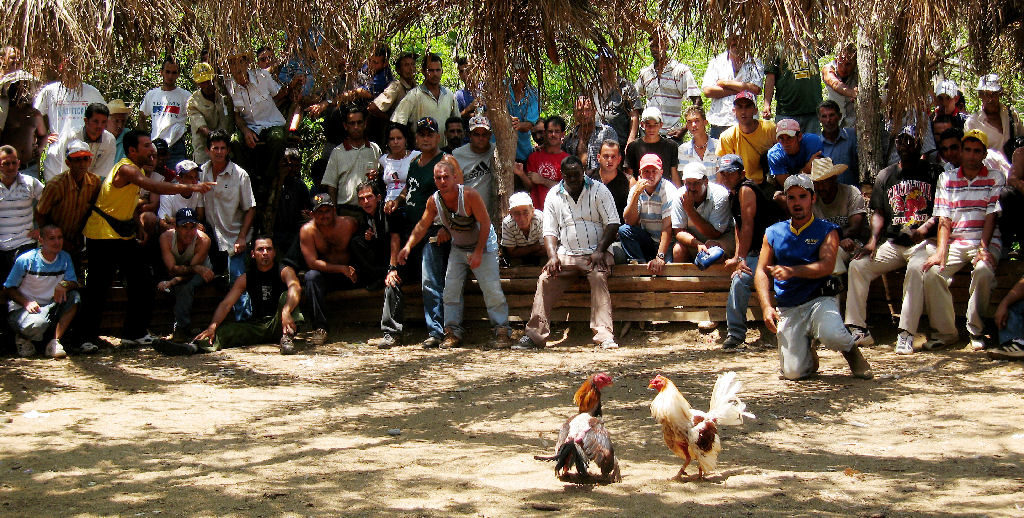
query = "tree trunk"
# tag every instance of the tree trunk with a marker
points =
(870, 148)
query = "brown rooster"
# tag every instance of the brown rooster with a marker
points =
(692, 434)
(588, 396)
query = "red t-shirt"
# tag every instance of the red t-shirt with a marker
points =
(547, 165)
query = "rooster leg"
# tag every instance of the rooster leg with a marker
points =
(682, 470)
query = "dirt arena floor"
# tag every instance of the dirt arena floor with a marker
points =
(348, 430)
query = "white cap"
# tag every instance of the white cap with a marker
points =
(694, 171)
(651, 113)
(946, 87)
(799, 180)
(989, 83)
(520, 199)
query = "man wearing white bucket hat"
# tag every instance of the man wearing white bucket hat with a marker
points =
(841, 204)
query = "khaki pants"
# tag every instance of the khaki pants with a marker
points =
(889, 257)
(940, 300)
(551, 287)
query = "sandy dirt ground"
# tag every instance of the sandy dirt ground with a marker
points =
(348, 430)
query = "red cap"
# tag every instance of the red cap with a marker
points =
(650, 159)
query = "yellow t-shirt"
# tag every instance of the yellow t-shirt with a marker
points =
(117, 202)
(751, 147)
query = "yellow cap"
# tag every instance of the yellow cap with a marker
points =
(202, 73)
(976, 134)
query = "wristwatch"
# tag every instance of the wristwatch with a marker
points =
(661, 256)
(392, 268)
(65, 284)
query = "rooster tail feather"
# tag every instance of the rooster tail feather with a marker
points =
(545, 457)
(726, 407)
(582, 462)
(564, 453)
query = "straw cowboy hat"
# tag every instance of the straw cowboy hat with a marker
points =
(823, 169)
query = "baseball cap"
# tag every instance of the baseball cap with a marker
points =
(650, 159)
(185, 166)
(787, 127)
(730, 163)
(185, 215)
(117, 106)
(909, 130)
(202, 73)
(989, 83)
(798, 180)
(976, 134)
(694, 171)
(746, 94)
(427, 123)
(77, 148)
(322, 199)
(651, 113)
(520, 199)
(479, 121)
(946, 87)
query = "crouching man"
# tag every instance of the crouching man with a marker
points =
(42, 297)
(799, 255)
(274, 292)
(185, 250)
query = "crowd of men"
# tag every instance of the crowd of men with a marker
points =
(206, 185)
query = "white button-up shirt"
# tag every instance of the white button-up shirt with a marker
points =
(579, 225)
(104, 154)
(255, 101)
(227, 203)
(720, 67)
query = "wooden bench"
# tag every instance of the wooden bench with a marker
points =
(683, 293)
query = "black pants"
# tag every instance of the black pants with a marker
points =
(106, 257)
(318, 284)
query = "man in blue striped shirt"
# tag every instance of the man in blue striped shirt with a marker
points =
(647, 234)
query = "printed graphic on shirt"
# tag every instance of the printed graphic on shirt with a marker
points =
(481, 169)
(910, 201)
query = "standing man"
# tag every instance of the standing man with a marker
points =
(383, 106)
(18, 193)
(67, 198)
(185, 250)
(476, 160)
(966, 205)
(429, 99)
(999, 123)
(841, 80)
(616, 100)
(117, 123)
(753, 212)
(25, 128)
(275, 293)
(665, 83)
(474, 246)
(653, 143)
(796, 88)
(728, 74)
(610, 173)
(585, 138)
(840, 204)
(111, 244)
(647, 235)
(454, 133)
(837, 143)
(901, 227)
(793, 152)
(42, 295)
(325, 243)
(798, 256)
(163, 109)
(543, 167)
(229, 209)
(349, 163)
(580, 223)
(207, 111)
(94, 134)
(750, 138)
(524, 108)
(63, 104)
(701, 219)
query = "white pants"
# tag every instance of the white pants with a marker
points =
(889, 257)
(818, 318)
(940, 300)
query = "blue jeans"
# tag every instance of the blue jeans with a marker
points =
(490, 284)
(640, 245)
(739, 299)
(184, 294)
(1014, 323)
(177, 152)
(236, 267)
(435, 265)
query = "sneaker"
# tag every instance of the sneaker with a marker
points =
(859, 367)
(388, 341)
(146, 339)
(707, 325)
(977, 343)
(25, 347)
(732, 344)
(431, 342)
(450, 340)
(181, 334)
(904, 343)
(525, 343)
(861, 337)
(1012, 350)
(55, 350)
(502, 339)
(318, 337)
(608, 344)
(288, 343)
(939, 342)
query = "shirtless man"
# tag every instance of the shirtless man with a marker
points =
(25, 128)
(325, 246)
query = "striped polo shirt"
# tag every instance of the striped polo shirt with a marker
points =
(36, 278)
(16, 211)
(579, 225)
(656, 206)
(512, 236)
(66, 203)
(967, 202)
